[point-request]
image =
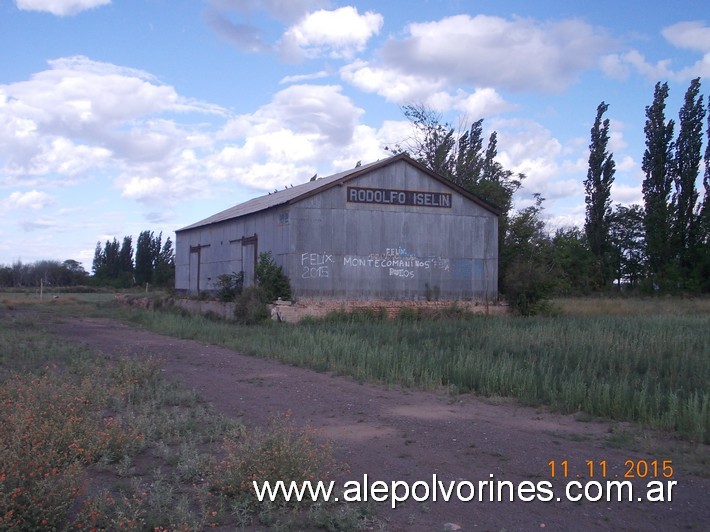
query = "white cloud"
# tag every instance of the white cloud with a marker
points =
(463, 62)
(280, 144)
(299, 78)
(693, 35)
(143, 188)
(527, 147)
(518, 54)
(614, 66)
(626, 194)
(566, 220)
(283, 10)
(60, 8)
(233, 19)
(80, 115)
(617, 142)
(39, 224)
(690, 35)
(482, 104)
(434, 93)
(392, 84)
(63, 157)
(619, 66)
(626, 164)
(340, 33)
(322, 110)
(80, 119)
(319, 110)
(33, 200)
(285, 140)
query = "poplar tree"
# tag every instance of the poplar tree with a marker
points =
(702, 269)
(125, 263)
(155, 262)
(144, 258)
(688, 158)
(597, 186)
(657, 166)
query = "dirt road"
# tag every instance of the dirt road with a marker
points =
(393, 434)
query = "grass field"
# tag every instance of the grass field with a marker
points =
(645, 360)
(600, 358)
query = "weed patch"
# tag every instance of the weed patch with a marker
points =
(280, 452)
(95, 443)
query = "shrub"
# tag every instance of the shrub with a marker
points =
(528, 287)
(230, 286)
(250, 306)
(271, 278)
(51, 429)
(280, 452)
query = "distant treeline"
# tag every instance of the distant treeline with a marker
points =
(43, 272)
(154, 262)
(113, 265)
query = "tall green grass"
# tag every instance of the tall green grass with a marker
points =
(651, 369)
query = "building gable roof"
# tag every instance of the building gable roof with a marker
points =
(306, 190)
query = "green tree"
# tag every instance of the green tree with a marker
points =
(144, 258)
(125, 261)
(6, 276)
(462, 159)
(573, 263)
(433, 143)
(597, 186)
(106, 265)
(164, 265)
(155, 261)
(702, 268)
(113, 264)
(98, 266)
(688, 157)
(628, 254)
(113, 260)
(657, 166)
(529, 278)
(271, 279)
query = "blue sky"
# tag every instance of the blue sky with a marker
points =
(117, 117)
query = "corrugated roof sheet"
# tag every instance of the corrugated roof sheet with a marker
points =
(279, 197)
(288, 195)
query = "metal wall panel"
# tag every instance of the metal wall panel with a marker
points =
(347, 250)
(227, 247)
(334, 248)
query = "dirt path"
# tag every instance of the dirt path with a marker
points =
(392, 434)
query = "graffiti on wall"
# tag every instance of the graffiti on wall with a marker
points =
(316, 265)
(397, 261)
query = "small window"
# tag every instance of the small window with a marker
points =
(283, 218)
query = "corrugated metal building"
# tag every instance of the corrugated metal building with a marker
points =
(387, 230)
